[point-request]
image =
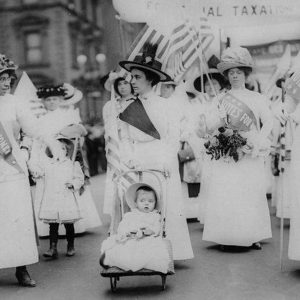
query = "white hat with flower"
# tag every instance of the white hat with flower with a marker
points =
(234, 57)
(6, 64)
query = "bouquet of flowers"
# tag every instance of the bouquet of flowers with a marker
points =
(226, 143)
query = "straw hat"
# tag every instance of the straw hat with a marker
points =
(6, 64)
(146, 60)
(60, 90)
(235, 57)
(130, 195)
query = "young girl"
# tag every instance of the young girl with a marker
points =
(59, 205)
(137, 244)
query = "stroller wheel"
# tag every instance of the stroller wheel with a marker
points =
(163, 282)
(113, 284)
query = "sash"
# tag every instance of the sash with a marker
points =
(6, 150)
(136, 115)
(239, 115)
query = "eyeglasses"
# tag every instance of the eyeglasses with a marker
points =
(5, 79)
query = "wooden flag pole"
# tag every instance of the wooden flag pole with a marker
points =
(282, 169)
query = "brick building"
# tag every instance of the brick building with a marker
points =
(74, 41)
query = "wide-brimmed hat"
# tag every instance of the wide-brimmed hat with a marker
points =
(130, 195)
(62, 139)
(73, 99)
(59, 90)
(234, 57)
(212, 74)
(6, 64)
(146, 60)
(50, 91)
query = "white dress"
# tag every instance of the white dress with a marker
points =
(127, 252)
(294, 240)
(237, 210)
(60, 204)
(211, 115)
(50, 124)
(192, 170)
(18, 245)
(162, 153)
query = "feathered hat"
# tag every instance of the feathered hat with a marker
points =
(234, 57)
(146, 60)
(6, 64)
(213, 73)
(50, 91)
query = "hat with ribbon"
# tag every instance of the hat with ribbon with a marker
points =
(130, 195)
(235, 57)
(50, 91)
(6, 64)
(146, 60)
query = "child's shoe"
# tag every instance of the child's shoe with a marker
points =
(70, 250)
(52, 252)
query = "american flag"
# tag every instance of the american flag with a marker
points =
(187, 44)
(177, 51)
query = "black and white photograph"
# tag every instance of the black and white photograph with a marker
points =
(150, 149)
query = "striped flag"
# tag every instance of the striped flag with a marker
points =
(187, 44)
(148, 35)
(114, 148)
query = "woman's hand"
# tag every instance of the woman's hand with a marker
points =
(148, 232)
(247, 149)
(69, 90)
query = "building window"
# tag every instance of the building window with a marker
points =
(71, 4)
(29, 1)
(84, 7)
(74, 49)
(95, 11)
(33, 48)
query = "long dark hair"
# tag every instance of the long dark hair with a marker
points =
(116, 85)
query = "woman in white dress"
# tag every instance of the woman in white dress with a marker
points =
(213, 84)
(111, 109)
(237, 211)
(56, 119)
(152, 142)
(293, 91)
(18, 246)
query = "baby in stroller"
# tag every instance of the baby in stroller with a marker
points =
(138, 243)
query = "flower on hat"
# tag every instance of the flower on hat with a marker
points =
(6, 64)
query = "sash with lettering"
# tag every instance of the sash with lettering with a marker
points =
(6, 150)
(136, 115)
(239, 115)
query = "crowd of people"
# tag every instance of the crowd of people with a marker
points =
(218, 144)
(221, 139)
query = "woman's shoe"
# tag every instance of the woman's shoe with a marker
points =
(24, 278)
(256, 246)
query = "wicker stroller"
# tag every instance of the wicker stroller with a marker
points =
(121, 207)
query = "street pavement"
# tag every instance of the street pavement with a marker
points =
(211, 275)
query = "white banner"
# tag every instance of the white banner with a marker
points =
(225, 13)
